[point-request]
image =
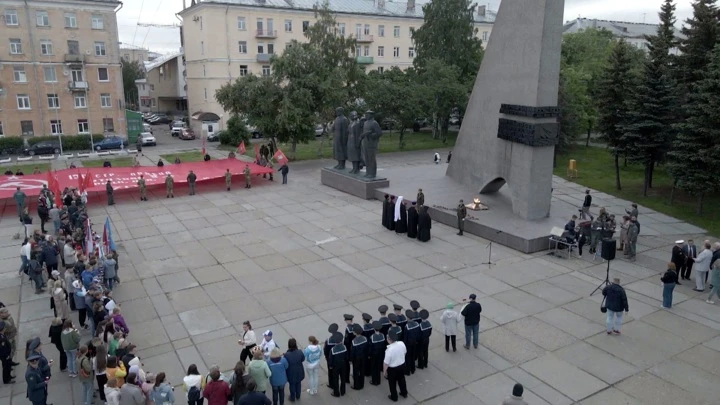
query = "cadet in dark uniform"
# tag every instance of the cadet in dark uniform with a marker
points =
(425, 332)
(461, 214)
(384, 321)
(401, 320)
(367, 331)
(338, 364)
(377, 353)
(411, 335)
(328, 346)
(347, 341)
(394, 327)
(36, 384)
(416, 317)
(359, 353)
(6, 356)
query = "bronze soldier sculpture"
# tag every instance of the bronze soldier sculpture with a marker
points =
(353, 142)
(340, 138)
(371, 136)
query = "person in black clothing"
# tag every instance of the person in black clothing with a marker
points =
(55, 334)
(411, 336)
(690, 251)
(347, 341)
(401, 223)
(8, 172)
(425, 333)
(678, 256)
(424, 224)
(394, 328)
(377, 353)
(284, 172)
(615, 302)
(367, 331)
(338, 364)
(471, 312)
(391, 212)
(384, 321)
(412, 221)
(19, 173)
(570, 234)
(5, 356)
(327, 347)
(585, 211)
(358, 352)
(669, 280)
(385, 211)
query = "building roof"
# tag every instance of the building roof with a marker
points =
(617, 28)
(150, 65)
(370, 7)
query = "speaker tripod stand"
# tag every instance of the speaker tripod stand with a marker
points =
(604, 283)
(489, 262)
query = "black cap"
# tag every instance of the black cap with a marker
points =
(392, 318)
(366, 317)
(333, 328)
(376, 325)
(348, 317)
(357, 329)
(473, 296)
(397, 307)
(33, 357)
(414, 305)
(410, 314)
(336, 338)
(383, 309)
(424, 314)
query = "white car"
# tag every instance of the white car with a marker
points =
(148, 139)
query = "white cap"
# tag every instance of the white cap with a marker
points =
(267, 333)
(679, 241)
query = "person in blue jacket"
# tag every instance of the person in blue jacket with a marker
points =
(36, 384)
(278, 367)
(295, 370)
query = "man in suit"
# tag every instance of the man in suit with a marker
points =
(690, 251)
(678, 256)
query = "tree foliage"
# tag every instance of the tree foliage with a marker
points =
(235, 132)
(700, 34)
(443, 91)
(131, 71)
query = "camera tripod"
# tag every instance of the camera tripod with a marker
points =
(604, 283)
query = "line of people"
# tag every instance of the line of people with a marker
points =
(414, 221)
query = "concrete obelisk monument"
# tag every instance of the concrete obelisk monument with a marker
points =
(510, 127)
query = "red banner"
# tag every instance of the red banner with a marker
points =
(241, 148)
(280, 157)
(125, 177)
(257, 152)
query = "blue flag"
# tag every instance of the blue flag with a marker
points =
(107, 235)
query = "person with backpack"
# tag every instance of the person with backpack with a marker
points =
(35, 273)
(193, 384)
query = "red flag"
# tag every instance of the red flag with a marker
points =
(54, 187)
(87, 181)
(203, 146)
(241, 148)
(280, 157)
(257, 152)
(80, 181)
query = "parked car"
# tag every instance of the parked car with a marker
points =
(43, 148)
(455, 120)
(111, 142)
(148, 139)
(214, 137)
(147, 128)
(388, 124)
(153, 116)
(160, 119)
(420, 123)
(186, 134)
(177, 127)
(318, 130)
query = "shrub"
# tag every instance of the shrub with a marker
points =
(235, 133)
(11, 145)
(69, 142)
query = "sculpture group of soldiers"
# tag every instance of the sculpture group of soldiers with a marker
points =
(362, 347)
(356, 140)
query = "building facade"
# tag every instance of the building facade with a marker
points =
(163, 89)
(227, 39)
(60, 68)
(633, 33)
(136, 53)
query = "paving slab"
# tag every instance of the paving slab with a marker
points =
(564, 377)
(596, 362)
(649, 389)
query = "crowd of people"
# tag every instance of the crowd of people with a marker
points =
(414, 221)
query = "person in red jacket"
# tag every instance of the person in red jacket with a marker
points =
(216, 391)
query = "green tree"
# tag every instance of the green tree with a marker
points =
(235, 132)
(649, 132)
(695, 161)
(615, 91)
(574, 102)
(131, 71)
(700, 34)
(443, 90)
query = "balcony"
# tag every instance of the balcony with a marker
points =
(364, 39)
(265, 34)
(78, 86)
(264, 57)
(74, 58)
(364, 60)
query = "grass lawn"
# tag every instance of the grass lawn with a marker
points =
(116, 162)
(185, 157)
(389, 142)
(26, 168)
(596, 170)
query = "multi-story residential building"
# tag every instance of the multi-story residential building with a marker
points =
(60, 68)
(136, 53)
(226, 39)
(633, 33)
(163, 89)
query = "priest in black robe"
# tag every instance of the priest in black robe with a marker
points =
(401, 222)
(391, 213)
(385, 212)
(412, 221)
(424, 225)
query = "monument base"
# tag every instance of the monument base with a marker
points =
(353, 184)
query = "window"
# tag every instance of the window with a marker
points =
(485, 36)
(366, 50)
(341, 29)
(202, 47)
(411, 52)
(53, 101)
(49, 73)
(288, 25)
(70, 20)
(357, 50)
(99, 48)
(103, 75)
(410, 31)
(259, 26)
(46, 47)
(381, 69)
(203, 89)
(77, 75)
(23, 102)
(105, 101)
(261, 48)
(83, 127)
(55, 127)
(381, 51)
(381, 30)
(266, 70)
(80, 102)
(242, 46)
(15, 46)
(108, 125)
(152, 87)
(153, 100)
(396, 52)
(2, 132)
(396, 31)
(367, 29)
(73, 47)
(243, 70)
(358, 30)
(204, 72)
(288, 45)
(42, 18)
(241, 23)
(26, 127)
(271, 49)
(11, 17)
(306, 25)
(19, 75)
(97, 22)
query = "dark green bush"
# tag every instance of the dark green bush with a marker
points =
(69, 142)
(235, 133)
(11, 145)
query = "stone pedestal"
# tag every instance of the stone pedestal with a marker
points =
(354, 184)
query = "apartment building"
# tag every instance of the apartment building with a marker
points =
(136, 53)
(227, 39)
(633, 33)
(60, 68)
(163, 89)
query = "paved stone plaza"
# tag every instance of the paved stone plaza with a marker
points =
(295, 258)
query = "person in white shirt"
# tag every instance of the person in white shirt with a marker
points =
(25, 251)
(394, 367)
(248, 341)
(70, 255)
(267, 344)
